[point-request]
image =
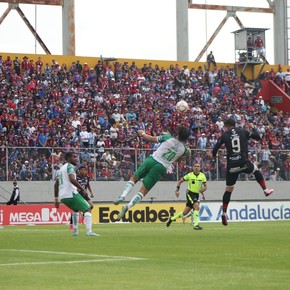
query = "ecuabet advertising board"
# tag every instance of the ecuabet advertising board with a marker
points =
(40, 214)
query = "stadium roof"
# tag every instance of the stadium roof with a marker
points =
(251, 29)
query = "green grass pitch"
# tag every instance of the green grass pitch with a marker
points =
(245, 255)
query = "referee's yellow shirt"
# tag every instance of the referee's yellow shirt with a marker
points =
(195, 182)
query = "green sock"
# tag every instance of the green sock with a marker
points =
(195, 217)
(177, 216)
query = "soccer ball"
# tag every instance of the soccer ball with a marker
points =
(182, 106)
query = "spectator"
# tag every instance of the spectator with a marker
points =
(202, 141)
(84, 137)
(15, 196)
(17, 65)
(210, 60)
(75, 122)
(220, 123)
(92, 138)
(259, 46)
(286, 164)
(275, 175)
(250, 47)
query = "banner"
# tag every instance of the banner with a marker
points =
(209, 212)
(40, 214)
(36, 214)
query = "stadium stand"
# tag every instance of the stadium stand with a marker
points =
(49, 108)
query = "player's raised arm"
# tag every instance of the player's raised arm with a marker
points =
(217, 146)
(254, 134)
(148, 137)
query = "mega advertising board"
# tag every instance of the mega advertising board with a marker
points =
(39, 214)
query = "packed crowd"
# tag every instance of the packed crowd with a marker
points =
(47, 109)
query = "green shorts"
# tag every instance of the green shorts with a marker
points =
(76, 203)
(151, 171)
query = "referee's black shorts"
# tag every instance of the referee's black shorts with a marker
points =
(191, 198)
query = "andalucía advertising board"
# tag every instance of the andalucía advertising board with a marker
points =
(40, 214)
(209, 212)
(247, 211)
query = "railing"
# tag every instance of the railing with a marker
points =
(110, 164)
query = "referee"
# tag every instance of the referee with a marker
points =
(196, 185)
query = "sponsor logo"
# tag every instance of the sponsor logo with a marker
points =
(41, 216)
(1, 217)
(147, 215)
(259, 212)
(246, 212)
(205, 215)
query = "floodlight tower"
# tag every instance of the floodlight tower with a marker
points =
(281, 15)
(68, 21)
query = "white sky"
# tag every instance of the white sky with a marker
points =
(137, 29)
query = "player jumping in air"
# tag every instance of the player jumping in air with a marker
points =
(236, 143)
(155, 166)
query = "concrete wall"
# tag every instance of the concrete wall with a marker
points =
(107, 191)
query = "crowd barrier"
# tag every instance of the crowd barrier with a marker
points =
(118, 164)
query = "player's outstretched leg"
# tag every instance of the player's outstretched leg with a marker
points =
(197, 227)
(122, 212)
(224, 219)
(190, 214)
(174, 218)
(135, 199)
(118, 200)
(128, 188)
(169, 221)
(268, 191)
(260, 179)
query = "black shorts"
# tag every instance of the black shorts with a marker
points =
(235, 168)
(86, 197)
(191, 198)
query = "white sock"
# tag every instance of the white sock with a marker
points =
(88, 222)
(136, 198)
(128, 188)
(75, 218)
(189, 214)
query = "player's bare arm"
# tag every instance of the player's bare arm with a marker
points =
(148, 137)
(90, 190)
(203, 190)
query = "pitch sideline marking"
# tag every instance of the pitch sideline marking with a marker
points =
(109, 258)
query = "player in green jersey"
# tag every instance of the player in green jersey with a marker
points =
(66, 189)
(170, 150)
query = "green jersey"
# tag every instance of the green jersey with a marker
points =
(195, 182)
(66, 188)
(169, 151)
